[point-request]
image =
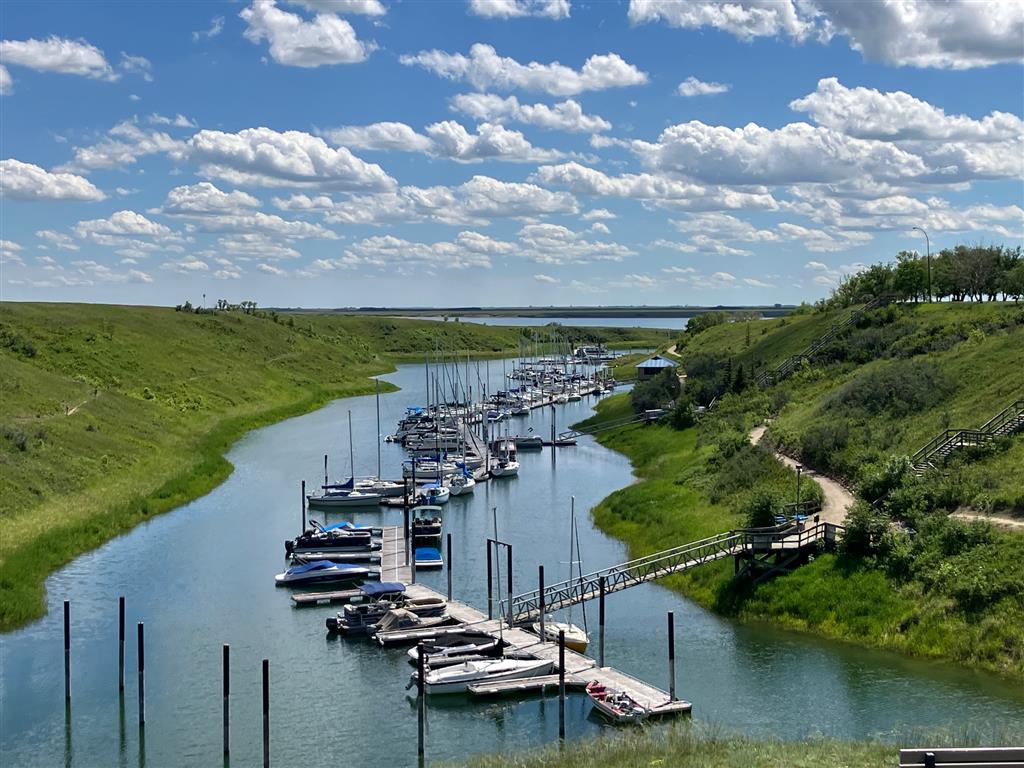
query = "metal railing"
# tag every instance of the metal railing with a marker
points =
(526, 606)
(1006, 422)
(601, 427)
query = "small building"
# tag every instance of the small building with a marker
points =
(652, 367)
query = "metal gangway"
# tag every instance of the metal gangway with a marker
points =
(751, 542)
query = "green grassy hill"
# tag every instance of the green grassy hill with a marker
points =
(911, 578)
(111, 414)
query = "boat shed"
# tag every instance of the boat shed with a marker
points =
(652, 367)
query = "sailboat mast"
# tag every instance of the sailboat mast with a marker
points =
(378, 428)
(351, 452)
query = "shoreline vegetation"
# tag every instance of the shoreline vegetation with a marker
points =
(113, 414)
(910, 577)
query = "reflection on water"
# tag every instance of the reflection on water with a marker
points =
(202, 576)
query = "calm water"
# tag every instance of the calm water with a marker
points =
(202, 576)
(672, 323)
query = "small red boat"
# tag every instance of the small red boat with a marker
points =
(615, 705)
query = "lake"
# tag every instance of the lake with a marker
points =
(202, 576)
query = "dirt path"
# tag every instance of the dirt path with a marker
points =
(1009, 523)
(837, 500)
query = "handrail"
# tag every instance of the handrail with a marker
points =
(957, 438)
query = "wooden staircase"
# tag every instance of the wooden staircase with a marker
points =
(790, 364)
(942, 446)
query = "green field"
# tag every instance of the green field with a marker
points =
(948, 589)
(112, 414)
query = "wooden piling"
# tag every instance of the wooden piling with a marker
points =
(266, 713)
(142, 673)
(303, 529)
(405, 518)
(600, 621)
(67, 650)
(561, 684)
(421, 686)
(540, 591)
(508, 552)
(671, 656)
(227, 692)
(490, 586)
(120, 644)
(448, 563)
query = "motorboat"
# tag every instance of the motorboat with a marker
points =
(616, 705)
(361, 616)
(323, 572)
(505, 468)
(458, 677)
(426, 522)
(385, 488)
(396, 624)
(576, 639)
(428, 558)
(562, 398)
(461, 484)
(446, 648)
(317, 539)
(435, 493)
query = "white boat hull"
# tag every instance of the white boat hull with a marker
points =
(575, 638)
(354, 499)
(457, 679)
(509, 470)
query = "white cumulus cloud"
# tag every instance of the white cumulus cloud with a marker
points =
(295, 42)
(511, 9)
(57, 54)
(691, 86)
(564, 116)
(25, 181)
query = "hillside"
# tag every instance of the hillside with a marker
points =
(909, 577)
(110, 414)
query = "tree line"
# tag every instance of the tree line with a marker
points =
(962, 273)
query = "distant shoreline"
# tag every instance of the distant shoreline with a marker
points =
(774, 310)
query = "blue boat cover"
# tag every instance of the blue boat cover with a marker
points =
(382, 588)
(319, 565)
(346, 526)
(427, 553)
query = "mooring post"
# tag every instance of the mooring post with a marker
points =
(405, 519)
(421, 688)
(490, 587)
(561, 684)
(266, 713)
(120, 644)
(671, 656)
(142, 673)
(448, 562)
(67, 650)
(508, 550)
(540, 602)
(227, 692)
(600, 621)
(303, 529)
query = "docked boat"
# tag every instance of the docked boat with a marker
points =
(396, 624)
(575, 637)
(319, 539)
(505, 468)
(428, 558)
(385, 488)
(461, 484)
(442, 650)
(426, 522)
(361, 616)
(324, 572)
(435, 493)
(333, 497)
(458, 677)
(616, 705)
(562, 398)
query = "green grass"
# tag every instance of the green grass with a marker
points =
(112, 414)
(695, 746)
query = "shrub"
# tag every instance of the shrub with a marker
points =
(656, 392)
(682, 414)
(899, 388)
(762, 507)
(821, 442)
(865, 527)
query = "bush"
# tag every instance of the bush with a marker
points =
(656, 392)
(865, 528)
(762, 507)
(821, 442)
(682, 416)
(899, 389)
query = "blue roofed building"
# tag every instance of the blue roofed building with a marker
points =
(652, 367)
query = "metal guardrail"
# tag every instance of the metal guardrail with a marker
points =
(526, 606)
(1007, 421)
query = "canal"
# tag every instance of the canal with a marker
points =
(202, 576)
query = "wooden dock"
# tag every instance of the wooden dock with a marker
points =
(579, 669)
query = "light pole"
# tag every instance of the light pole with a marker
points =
(799, 469)
(928, 246)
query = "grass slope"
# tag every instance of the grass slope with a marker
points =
(112, 414)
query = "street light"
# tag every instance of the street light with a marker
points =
(928, 246)
(799, 469)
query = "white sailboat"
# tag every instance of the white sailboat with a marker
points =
(576, 638)
(458, 677)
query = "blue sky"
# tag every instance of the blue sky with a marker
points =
(366, 152)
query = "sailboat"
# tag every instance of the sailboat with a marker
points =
(508, 466)
(576, 638)
(345, 494)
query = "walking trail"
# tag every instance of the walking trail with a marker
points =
(837, 501)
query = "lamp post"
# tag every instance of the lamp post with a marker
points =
(799, 469)
(928, 247)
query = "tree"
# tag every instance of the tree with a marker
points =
(1013, 282)
(910, 279)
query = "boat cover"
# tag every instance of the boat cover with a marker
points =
(319, 565)
(427, 553)
(382, 588)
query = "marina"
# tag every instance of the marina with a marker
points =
(727, 671)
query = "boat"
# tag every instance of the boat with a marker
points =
(329, 497)
(323, 572)
(428, 558)
(446, 648)
(576, 639)
(396, 624)
(562, 398)
(458, 677)
(616, 705)
(317, 539)
(505, 468)
(426, 522)
(435, 493)
(362, 614)
(385, 488)
(461, 484)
